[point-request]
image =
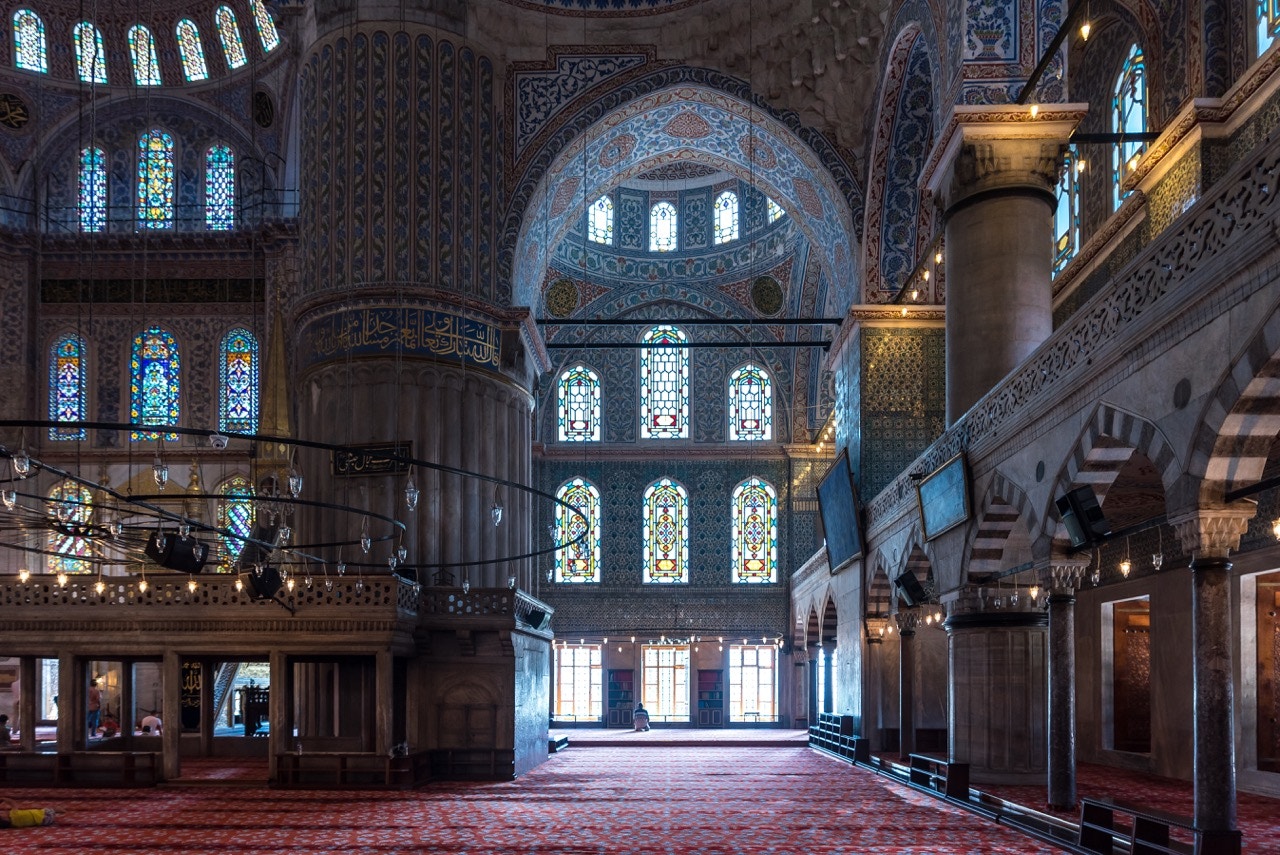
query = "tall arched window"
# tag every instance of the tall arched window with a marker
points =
(579, 405)
(664, 384)
(91, 59)
(1129, 116)
(1066, 217)
(68, 386)
(142, 49)
(70, 505)
(28, 41)
(191, 50)
(755, 532)
(266, 27)
(92, 201)
(1268, 24)
(726, 217)
(581, 561)
(238, 382)
(155, 180)
(154, 383)
(775, 210)
(219, 188)
(235, 516)
(750, 404)
(662, 227)
(229, 34)
(600, 220)
(665, 532)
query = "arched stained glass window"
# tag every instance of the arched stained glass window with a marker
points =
(1268, 24)
(28, 41)
(266, 27)
(68, 386)
(666, 532)
(142, 49)
(92, 201)
(775, 210)
(70, 506)
(91, 59)
(600, 221)
(750, 404)
(219, 188)
(155, 180)
(154, 383)
(662, 227)
(579, 405)
(238, 383)
(664, 384)
(726, 217)
(755, 532)
(1129, 116)
(229, 34)
(581, 561)
(191, 50)
(236, 516)
(1066, 217)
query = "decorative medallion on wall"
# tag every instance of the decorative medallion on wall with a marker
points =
(264, 111)
(562, 298)
(14, 114)
(688, 125)
(766, 295)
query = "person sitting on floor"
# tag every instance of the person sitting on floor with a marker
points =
(12, 817)
(6, 733)
(641, 718)
(151, 724)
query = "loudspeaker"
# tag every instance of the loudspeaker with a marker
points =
(538, 619)
(910, 591)
(184, 554)
(511, 351)
(252, 553)
(264, 585)
(1083, 517)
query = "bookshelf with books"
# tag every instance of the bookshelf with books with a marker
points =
(622, 697)
(710, 698)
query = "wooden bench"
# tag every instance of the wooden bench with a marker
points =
(934, 772)
(1147, 832)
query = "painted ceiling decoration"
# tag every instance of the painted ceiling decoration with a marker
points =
(605, 8)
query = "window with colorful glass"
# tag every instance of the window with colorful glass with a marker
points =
(750, 404)
(662, 227)
(68, 386)
(753, 682)
(578, 562)
(229, 35)
(1066, 216)
(755, 532)
(142, 49)
(266, 27)
(578, 408)
(28, 41)
(726, 217)
(600, 220)
(155, 180)
(235, 517)
(219, 188)
(1129, 116)
(238, 383)
(775, 210)
(154, 383)
(579, 683)
(1268, 24)
(665, 532)
(92, 201)
(71, 510)
(664, 384)
(191, 50)
(91, 59)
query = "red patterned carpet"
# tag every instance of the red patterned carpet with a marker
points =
(710, 801)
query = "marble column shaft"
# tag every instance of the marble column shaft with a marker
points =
(906, 692)
(1062, 700)
(1215, 762)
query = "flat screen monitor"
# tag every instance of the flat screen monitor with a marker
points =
(838, 504)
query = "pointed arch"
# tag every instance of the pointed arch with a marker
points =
(1005, 522)
(578, 405)
(68, 386)
(191, 51)
(91, 202)
(664, 384)
(600, 221)
(91, 58)
(219, 188)
(664, 228)
(155, 383)
(579, 563)
(142, 50)
(266, 26)
(750, 404)
(229, 35)
(754, 531)
(29, 49)
(155, 180)
(236, 516)
(726, 217)
(238, 382)
(665, 532)
(879, 597)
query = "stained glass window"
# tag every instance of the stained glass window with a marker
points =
(755, 532)
(750, 404)
(68, 386)
(662, 227)
(155, 180)
(219, 188)
(142, 48)
(266, 27)
(1066, 217)
(664, 384)
(775, 210)
(28, 41)
(600, 221)
(235, 516)
(154, 383)
(665, 532)
(579, 683)
(71, 508)
(91, 59)
(726, 217)
(191, 50)
(579, 406)
(581, 561)
(229, 33)
(92, 203)
(1129, 115)
(1268, 24)
(238, 383)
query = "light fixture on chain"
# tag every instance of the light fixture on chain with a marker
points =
(496, 509)
(1126, 566)
(411, 493)
(1157, 557)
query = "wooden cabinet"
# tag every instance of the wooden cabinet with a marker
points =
(710, 698)
(621, 698)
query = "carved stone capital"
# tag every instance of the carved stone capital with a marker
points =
(1061, 574)
(1213, 532)
(987, 165)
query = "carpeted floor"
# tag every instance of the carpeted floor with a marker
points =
(709, 800)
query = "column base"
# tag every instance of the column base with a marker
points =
(1219, 843)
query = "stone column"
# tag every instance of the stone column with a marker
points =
(907, 622)
(71, 704)
(996, 180)
(1064, 579)
(208, 718)
(279, 711)
(828, 683)
(27, 712)
(1209, 534)
(171, 704)
(812, 681)
(384, 698)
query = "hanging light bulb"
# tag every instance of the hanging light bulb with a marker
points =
(22, 464)
(10, 498)
(191, 585)
(295, 483)
(100, 586)
(328, 584)
(1095, 577)
(342, 568)
(142, 585)
(402, 552)
(511, 583)
(62, 579)
(308, 581)
(184, 530)
(496, 512)
(239, 584)
(283, 535)
(1126, 567)
(115, 528)
(160, 472)
(359, 586)
(1034, 592)
(411, 494)
(466, 586)
(161, 540)
(289, 583)
(1085, 29)
(24, 574)
(393, 562)
(1035, 110)
(1157, 560)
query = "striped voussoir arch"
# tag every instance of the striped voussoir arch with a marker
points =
(1004, 506)
(879, 592)
(918, 565)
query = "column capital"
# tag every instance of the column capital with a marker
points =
(1213, 532)
(1062, 573)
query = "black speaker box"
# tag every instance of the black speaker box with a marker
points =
(538, 619)
(910, 591)
(1083, 517)
(264, 585)
(184, 554)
